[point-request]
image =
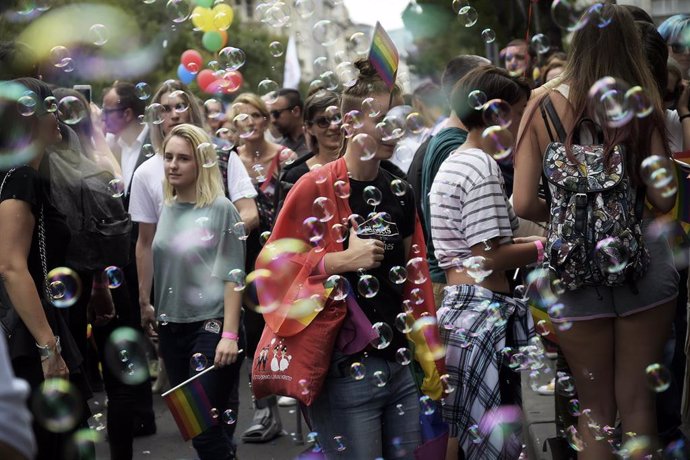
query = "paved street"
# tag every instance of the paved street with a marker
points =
(168, 445)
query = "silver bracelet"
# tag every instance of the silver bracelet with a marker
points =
(46, 351)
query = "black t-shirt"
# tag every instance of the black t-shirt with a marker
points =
(392, 227)
(26, 184)
(414, 173)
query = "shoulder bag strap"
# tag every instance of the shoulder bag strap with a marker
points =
(41, 239)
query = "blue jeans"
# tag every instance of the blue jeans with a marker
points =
(177, 343)
(357, 419)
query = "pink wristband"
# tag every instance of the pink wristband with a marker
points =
(230, 336)
(540, 250)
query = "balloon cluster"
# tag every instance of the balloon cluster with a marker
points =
(213, 21)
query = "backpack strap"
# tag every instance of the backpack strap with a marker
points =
(548, 112)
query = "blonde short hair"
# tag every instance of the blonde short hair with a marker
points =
(249, 99)
(209, 184)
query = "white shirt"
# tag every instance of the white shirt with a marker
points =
(675, 131)
(146, 200)
(129, 154)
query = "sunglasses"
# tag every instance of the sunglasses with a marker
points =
(325, 122)
(679, 48)
(278, 112)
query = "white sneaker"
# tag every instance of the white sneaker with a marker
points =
(286, 401)
(548, 389)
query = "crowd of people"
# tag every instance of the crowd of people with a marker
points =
(417, 238)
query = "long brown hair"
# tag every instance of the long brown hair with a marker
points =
(615, 51)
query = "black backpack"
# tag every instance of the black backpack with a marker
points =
(100, 226)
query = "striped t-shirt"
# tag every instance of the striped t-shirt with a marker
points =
(468, 206)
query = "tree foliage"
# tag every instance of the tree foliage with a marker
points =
(440, 35)
(152, 22)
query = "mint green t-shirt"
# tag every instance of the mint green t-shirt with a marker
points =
(194, 251)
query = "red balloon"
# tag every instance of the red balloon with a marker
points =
(192, 60)
(205, 78)
(233, 81)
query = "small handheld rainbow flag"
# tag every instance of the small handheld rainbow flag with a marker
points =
(190, 407)
(384, 56)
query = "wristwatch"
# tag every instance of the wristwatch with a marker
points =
(46, 351)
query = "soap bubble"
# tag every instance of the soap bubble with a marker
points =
(611, 255)
(403, 356)
(541, 43)
(178, 10)
(574, 439)
(658, 377)
(397, 274)
(339, 287)
(231, 58)
(370, 107)
(229, 417)
(276, 49)
(358, 371)
(497, 142)
(497, 112)
(657, 171)
(385, 335)
(115, 276)
(305, 8)
(468, 16)
(476, 268)
(372, 195)
(142, 90)
(57, 405)
(71, 110)
(380, 379)
(239, 278)
(360, 43)
(323, 208)
(98, 34)
(488, 35)
(366, 145)
(368, 286)
(126, 354)
(416, 270)
(60, 56)
(639, 102)
(427, 404)
(398, 187)
(198, 362)
(404, 322)
(65, 287)
(607, 98)
(325, 32)
(476, 99)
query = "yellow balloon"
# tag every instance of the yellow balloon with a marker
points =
(202, 18)
(222, 16)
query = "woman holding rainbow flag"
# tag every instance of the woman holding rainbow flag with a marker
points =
(369, 404)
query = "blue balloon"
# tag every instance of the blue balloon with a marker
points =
(184, 75)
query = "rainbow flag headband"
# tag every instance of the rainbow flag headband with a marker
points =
(383, 56)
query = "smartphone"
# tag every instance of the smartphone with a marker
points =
(85, 90)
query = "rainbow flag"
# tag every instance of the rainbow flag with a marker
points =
(384, 56)
(190, 407)
(681, 209)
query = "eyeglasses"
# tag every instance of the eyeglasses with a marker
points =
(105, 111)
(679, 48)
(278, 112)
(325, 122)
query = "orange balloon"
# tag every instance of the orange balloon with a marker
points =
(224, 37)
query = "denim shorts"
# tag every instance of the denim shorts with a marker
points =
(657, 287)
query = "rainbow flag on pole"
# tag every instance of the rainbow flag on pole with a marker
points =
(190, 407)
(384, 56)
